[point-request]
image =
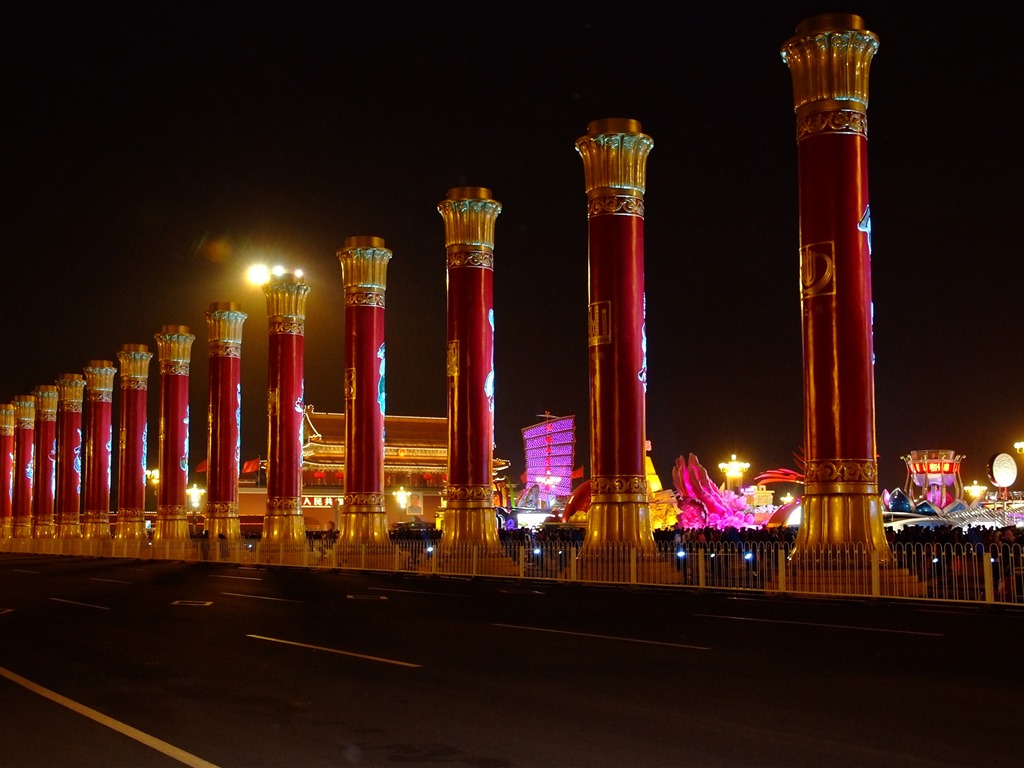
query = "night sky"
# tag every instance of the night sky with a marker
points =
(154, 150)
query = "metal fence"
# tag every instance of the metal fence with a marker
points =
(952, 572)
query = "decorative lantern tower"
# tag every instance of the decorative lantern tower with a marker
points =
(132, 442)
(829, 59)
(174, 350)
(614, 154)
(7, 421)
(71, 387)
(224, 323)
(364, 262)
(469, 215)
(286, 325)
(99, 397)
(24, 448)
(44, 474)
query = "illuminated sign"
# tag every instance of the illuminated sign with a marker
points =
(320, 501)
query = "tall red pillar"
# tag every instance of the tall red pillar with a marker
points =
(71, 388)
(132, 442)
(44, 475)
(99, 398)
(364, 262)
(24, 464)
(286, 324)
(174, 349)
(614, 154)
(470, 214)
(829, 59)
(7, 421)
(223, 450)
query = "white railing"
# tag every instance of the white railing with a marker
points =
(954, 572)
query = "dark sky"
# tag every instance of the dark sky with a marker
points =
(154, 150)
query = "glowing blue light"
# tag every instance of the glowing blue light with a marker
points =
(430, 549)
(935, 559)
(536, 550)
(748, 556)
(680, 554)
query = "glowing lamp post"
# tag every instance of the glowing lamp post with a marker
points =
(1019, 446)
(402, 497)
(733, 470)
(975, 491)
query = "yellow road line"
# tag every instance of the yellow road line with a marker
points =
(335, 650)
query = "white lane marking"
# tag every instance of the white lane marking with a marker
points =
(242, 578)
(73, 602)
(337, 651)
(261, 597)
(200, 603)
(416, 592)
(112, 581)
(815, 624)
(5, 610)
(133, 733)
(22, 570)
(367, 597)
(606, 637)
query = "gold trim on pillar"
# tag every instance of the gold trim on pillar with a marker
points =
(469, 215)
(47, 397)
(614, 154)
(25, 412)
(99, 381)
(829, 59)
(364, 265)
(71, 387)
(174, 348)
(134, 359)
(7, 419)
(286, 304)
(224, 322)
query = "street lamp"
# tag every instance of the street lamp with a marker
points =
(1019, 446)
(402, 497)
(975, 491)
(733, 470)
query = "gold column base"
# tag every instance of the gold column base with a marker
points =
(131, 524)
(283, 523)
(842, 518)
(619, 521)
(171, 524)
(470, 525)
(222, 520)
(95, 524)
(44, 529)
(6, 529)
(363, 527)
(69, 529)
(21, 528)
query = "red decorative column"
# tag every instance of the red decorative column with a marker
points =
(829, 59)
(223, 450)
(133, 436)
(71, 389)
(24, 464)
(470, 214)
(614, 154)
(44, 475)
(364, 263)
(99, 398)
(7, 421)
(286, 323)
(174, 348)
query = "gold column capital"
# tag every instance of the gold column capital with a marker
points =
(829, 59)
(614, 154)
(7, 419)
(25, 412)
(134, 359)
(224, 322)
(71, 387)
(469, 215)
(364, 265)
(174, 344)
(286, 298)
(47, 397)
(99, 380)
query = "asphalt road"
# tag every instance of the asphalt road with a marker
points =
(107, 663)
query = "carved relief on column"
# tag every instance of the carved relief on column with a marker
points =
(99, 398)
(174, 349)
(7, 419)
(24, 465)
(133, 442)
